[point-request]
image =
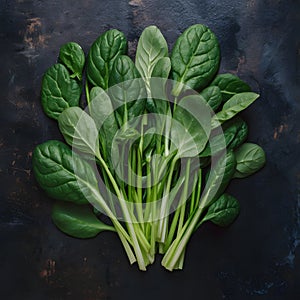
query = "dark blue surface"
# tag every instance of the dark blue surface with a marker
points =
(256, 258)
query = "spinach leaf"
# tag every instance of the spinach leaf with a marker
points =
(212, 95)
(188, 135)
(127, 94)
(230, 85)
(77, 221)
(250, 158)
(241, 131)
(72, 56)
(224, 211)
(102, 112)
(54, 167)
(79, 130)
(157, 103)
(233, 106)
(151, 47)
(59, 91)
(102, 55)
(195, 58)
(219, 177)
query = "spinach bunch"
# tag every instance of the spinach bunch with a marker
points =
(151, 155)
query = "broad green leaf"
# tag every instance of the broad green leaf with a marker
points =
(127, 92)
(54, 166)
(77, 221)
(213, 97)
(79, 130)
(195, 58)
(233, 106)
(218, 179)
(151, 47)
(250, 158)
(230, 85)
(224, 211)
(59, 91)
(72, 56)
(102, 55)
(190, 133)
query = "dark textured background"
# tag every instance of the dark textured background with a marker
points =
(256, 258)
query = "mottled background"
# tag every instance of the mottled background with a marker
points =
(256, 258)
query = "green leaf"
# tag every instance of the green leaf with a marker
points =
(77, 221)
(250, 158)
(157, 102)
(102, 112)
(195, 58)
(54, 166)
(102, 55)
(224, 211)
(151, 47)
(191, 131)
(127, 92)
(241, 131)
(219, 178)
(230, 85)
(72, 56)
(59, 91)
(233, 106)
(79, 130)
(213, 97)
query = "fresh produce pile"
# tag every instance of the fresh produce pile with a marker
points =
(152, 153)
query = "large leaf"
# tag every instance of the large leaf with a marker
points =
(233, 106)
(250, 158)
(127, 91)
(72, 56)
(195, 58)
(77, 221)
(230, 85)
(62, 173)
(79, 130)
(224, 211)
(59, 91)
(102, 55)
(191, 126)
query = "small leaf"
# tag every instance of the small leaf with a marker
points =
(233, 106)
(230, 85)
(79, 130)
(151, 47)
(102, 112)
(72, 56)
(59, 91)
(250, 158)
(195, 58)
(218, 179)
(127, 92)
(102, 55)
(213, 97)
(77, 221)
(224, 211)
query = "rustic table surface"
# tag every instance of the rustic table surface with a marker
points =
(256, 258)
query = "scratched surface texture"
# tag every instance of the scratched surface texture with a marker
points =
(256, 258)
